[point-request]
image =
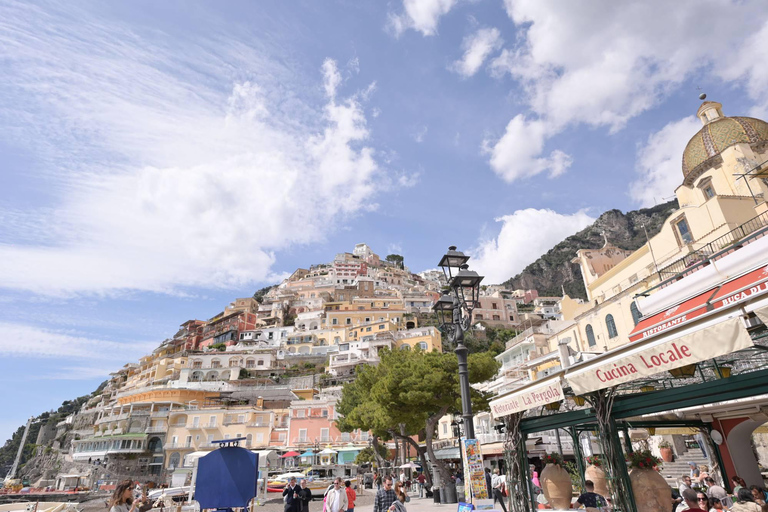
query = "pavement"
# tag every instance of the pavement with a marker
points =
(416, 505)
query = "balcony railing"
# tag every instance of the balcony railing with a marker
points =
(698, 259)
(490, 438)
(160, 414)
(156, 430)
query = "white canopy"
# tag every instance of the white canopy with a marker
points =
(409, 465)
(327, 451)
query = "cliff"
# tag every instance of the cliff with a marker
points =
(554, 270)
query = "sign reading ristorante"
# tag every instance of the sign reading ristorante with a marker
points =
(717, 340)
(527, 399)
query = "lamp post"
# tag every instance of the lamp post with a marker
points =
(454, 314)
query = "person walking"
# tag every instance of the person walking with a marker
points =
(291, 496)
(336, 498)
(122, 499)
(497, 482)
(385, 496)
(305, 496)
(488, 483)
(685, 485)
(399, 504)
(738, 483)
(351, 496)
(377, 481)
(422, 480)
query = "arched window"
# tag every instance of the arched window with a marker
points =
(611, 326)
(155, 445)
(215, 363)
(197, 363)
(175, 458)
(405, 346)
(249, 363)
(635, 312)
(590, 336)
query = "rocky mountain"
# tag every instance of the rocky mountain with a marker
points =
(554, 270)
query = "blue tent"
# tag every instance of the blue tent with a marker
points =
(226, 478)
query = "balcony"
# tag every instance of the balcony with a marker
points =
(156, 430)
(233, 422)
(160, 414)
(490, 438)
(193, 426)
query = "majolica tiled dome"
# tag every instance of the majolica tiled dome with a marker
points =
(718, 133)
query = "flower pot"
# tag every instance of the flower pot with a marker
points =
(666, 454)
(556, 484)
(597, 476)
(652, 493)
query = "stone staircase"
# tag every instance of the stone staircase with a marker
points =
(673, 471)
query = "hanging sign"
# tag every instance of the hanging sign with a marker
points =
(709, 341)
(528, 398)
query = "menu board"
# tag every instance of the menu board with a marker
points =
(474, 471)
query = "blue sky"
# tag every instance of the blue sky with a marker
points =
(158, 159)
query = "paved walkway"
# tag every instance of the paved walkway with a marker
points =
(417, 505)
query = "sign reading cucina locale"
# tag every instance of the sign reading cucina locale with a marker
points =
(527, 399)
(717, 340)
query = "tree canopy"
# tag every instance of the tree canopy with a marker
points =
(396, 259)
(414, 389)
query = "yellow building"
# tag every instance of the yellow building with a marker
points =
(721, 198)
(425, 338)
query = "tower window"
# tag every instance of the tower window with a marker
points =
(590, 336)
(709, 192)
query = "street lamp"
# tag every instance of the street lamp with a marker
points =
(454, 315)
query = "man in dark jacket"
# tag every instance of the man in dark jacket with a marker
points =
(291, 497)
(305, 495)
(488, 484)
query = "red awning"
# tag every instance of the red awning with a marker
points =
(290, 454)
(672, 317)
(731, 292)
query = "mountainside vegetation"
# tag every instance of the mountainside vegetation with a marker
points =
(553, 271)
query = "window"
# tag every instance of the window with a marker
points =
(381, 326)
(259, 437)
(174, 462)
(405, 346)
(494, 306)
(423, 345)
(685, 232)
(590, 336)
(709, 192)
(196, 421)
(248, 440)
(611, 326)
(300, 413)
(240, 419)
(349, 321)
(303, 435)
(325, 413)
(635, 313)
(212, 421)
(496, 317)
(260, 363)
(445, 428)
(210, 439)
(367, 329)
(478, 316)
(335, 321)
(188, 443)
(324, 435)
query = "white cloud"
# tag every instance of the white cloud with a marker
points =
(477, 47)
(602, 63)
(420, 134)
(658, 164)
(166, 173)
(525, 235)
(517, 153)
(28, 341)
(420, 15)
(408, 180)
(375, 112)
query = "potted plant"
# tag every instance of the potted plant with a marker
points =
(556, 482)
(651, 491)
(666, 451)
(596, 474)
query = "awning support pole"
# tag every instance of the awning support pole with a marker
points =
(579, 456)
(714, 448)
(627, 441)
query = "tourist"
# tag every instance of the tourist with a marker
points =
(122, 499)
(401, 498)
(694, 470)
(758, 494)
(351, 496)
(497, 482)
(590, 499)
(402, 476)
(738, 483)
(535, 479)
(715, 504)
(488, 483)
(714, 490)
(377, 481)
(291, 496)
(685, 485)
(746, 502)
(336, 498)
(690, 498)
(305, 495)
(385, 496)
(703, 501)
(422, 480)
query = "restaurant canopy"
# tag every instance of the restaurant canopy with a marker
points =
(289, 454)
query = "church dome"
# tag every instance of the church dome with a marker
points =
(717, 134)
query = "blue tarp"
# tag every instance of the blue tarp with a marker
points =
(226, 478)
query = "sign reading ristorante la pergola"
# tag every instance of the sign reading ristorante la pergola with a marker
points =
(528, 398)
(718, 339)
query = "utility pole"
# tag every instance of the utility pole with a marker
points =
(15, 467)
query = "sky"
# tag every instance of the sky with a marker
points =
(159, 159)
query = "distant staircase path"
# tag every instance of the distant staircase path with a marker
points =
(673, 471)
